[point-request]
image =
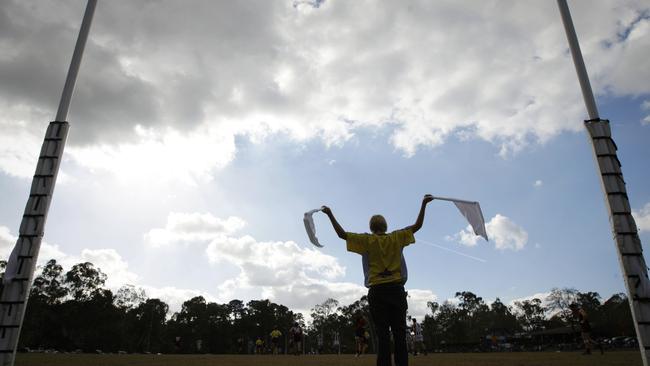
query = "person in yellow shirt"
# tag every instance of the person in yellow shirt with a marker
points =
(259, 346)
(275, 339)
(385, 274)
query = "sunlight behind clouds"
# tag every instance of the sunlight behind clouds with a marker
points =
(159, 158)
(160, 102)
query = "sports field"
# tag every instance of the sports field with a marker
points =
(446, 359)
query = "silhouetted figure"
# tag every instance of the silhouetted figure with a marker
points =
(385, 275)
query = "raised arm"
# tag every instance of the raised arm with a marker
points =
(420, 220)
(337, 227)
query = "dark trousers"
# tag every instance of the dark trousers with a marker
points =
(388, 310)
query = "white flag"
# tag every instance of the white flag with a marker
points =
(472, 212)
(308, 220)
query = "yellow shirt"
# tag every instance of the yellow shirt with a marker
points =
(276, 333)
(382, 255)
(259, 342)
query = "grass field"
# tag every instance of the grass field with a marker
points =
(441, 359)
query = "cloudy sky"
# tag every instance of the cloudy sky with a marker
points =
(202, 130)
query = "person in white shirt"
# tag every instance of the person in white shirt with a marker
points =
(418, 338)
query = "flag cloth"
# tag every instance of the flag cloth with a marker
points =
(308, 220)
(472, 212)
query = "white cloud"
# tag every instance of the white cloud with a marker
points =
(506, 234)
(467, 237)
(173, 296)
(309, 73)
(47, 251)
(540, 295)
(19, 147)
(304, 293)
(21, 140)
(161, 156)
(646, 107)
(111, 263)
(503, 232)
(273, 263)
(417, 302)
(108, 260)
(642, 218)
(192, 227)
(282, 271)
(538, 183)
(7, 242)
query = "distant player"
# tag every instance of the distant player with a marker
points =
(385, 274)
(360, 335)
(240, 345)
(585, 328)
(320, 343)
(259, 346)
(275, 339)
(296, 339)
(177, 344)
(336, 343)
(409, 338)
(418, 338)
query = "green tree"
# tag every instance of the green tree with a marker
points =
(149, 325)
(558, 302)
(616, 317)
(530, 314)
(473, 314)
(325, 321)
(129, 297)
(502, 318)
(84, 280)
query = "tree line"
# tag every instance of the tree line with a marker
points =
(74, 311)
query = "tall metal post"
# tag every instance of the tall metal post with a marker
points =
(73, 71)
(625, 232)
(14, 289)
(578, 62)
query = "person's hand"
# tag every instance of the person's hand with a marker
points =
(326, 210)
(427, 198)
